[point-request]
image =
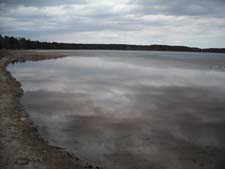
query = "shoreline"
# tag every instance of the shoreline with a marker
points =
(21, 147)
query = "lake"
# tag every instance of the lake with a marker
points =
(130, 109)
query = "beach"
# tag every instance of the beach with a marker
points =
(20, 144)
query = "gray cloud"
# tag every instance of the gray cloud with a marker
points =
(183, 22)
(183, 7)
(39, 2)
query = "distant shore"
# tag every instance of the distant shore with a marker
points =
(22, 43)
(21, 147)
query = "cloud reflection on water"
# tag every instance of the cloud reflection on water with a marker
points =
(117, 110)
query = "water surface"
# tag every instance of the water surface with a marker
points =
(130, 109)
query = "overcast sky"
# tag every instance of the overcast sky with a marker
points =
(198, 23)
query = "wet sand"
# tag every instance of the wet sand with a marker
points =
(20, 144)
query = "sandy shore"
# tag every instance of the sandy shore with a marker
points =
(20, 144)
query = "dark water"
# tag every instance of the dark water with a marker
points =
(131, 109)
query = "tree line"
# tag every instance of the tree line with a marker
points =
(9, 42)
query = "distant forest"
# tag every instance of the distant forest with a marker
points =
(7, 42)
